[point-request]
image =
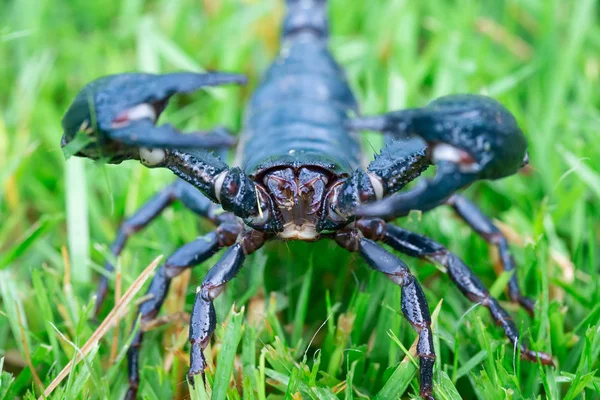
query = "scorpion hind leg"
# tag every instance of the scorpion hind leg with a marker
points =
(485, 228)
(118, 114)
(416, 245)
(468, 137)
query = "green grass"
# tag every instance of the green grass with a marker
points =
(310, 320)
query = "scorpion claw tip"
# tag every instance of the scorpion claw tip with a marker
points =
(117, 115)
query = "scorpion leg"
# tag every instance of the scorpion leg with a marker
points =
(203, 319)
(414, 305)
(180, 190)
(187, 256)
(420, 246)
(468, 137)
(399, 162)
(473, 216)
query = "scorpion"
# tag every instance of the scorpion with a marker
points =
(302, 178)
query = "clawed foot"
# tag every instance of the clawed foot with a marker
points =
(468, 137)
(114, 116)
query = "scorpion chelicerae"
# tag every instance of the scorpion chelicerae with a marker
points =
(302, 179)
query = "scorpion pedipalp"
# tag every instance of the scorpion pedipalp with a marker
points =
(117, 115)
(468, 137)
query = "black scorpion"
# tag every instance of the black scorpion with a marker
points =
(302, 178)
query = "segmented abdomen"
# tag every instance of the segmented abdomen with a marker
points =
(298, 113)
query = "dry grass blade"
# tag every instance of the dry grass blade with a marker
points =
(180, 318)
(503, 37)
(34, 374)
(108, 322)
(67, 264)
(115, 341)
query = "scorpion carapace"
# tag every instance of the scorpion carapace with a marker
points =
(302, 178)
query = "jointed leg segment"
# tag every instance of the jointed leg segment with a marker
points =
(422, 247)
(204, 318)
(485, 228)
(361, 238)
(414, 305)
(180, 190)
(189, 255)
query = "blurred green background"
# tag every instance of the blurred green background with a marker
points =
(541, 58)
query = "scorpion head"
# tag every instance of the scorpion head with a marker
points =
(297, 196)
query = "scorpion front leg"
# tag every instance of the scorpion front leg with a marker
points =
(204, 320)
(468, 137)
(189, 196)
(486, 229)
(117, 115)
(187, 256)
(420, 246)
(414, 305)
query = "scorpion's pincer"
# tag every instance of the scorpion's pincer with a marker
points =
(116, 115)
(469, 137)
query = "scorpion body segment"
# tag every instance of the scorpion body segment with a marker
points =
(299, 177)
(298, 114)
(295, 142)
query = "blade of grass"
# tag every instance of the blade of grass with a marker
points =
(26, 351)
(77, 219)
(108, 322)
(44, 225)
(233, 335)
(301, 309)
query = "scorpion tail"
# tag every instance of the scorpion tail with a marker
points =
(306, 16)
